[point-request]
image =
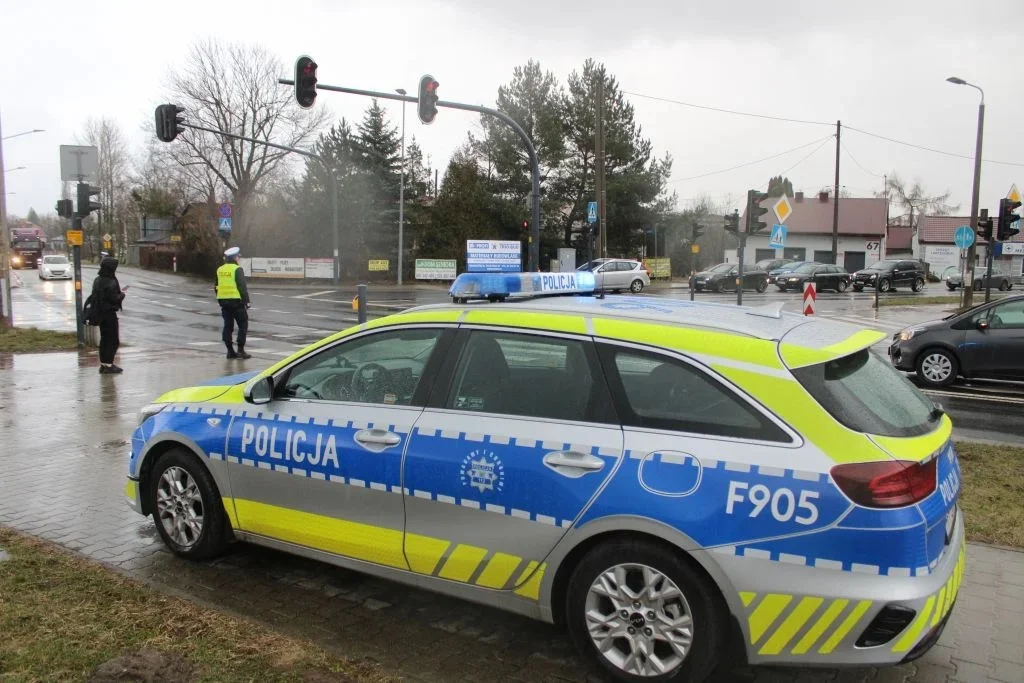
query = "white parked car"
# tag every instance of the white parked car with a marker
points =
(56, 268)
(614, 274)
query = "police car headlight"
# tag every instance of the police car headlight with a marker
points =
(149, 411)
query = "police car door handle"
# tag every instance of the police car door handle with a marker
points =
(377, 439)
(573, 464)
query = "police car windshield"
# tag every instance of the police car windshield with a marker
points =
(866, 394)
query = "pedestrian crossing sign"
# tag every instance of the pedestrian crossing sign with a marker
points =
(777, 240)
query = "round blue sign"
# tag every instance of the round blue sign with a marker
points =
(963, 237)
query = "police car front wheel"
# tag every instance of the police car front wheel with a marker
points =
(645, 614)
(187, 509)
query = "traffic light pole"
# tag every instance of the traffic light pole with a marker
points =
(534, 247)
(76, 259)
(323, 162)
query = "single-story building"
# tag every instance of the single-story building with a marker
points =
(899, 242)
(934, 245)
(861, 231)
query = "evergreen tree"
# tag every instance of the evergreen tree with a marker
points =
(778, 186)
(33, 217)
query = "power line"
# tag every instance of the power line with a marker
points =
(859, 165)
(727, 111)
(931, 149)
(822, 141)
(809, 155)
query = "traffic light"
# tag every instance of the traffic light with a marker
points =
(985, 226)
(65, 208)
(427, 103)
(305, 81)
(1007, 218)
(732, 222)
(526, 226)
(698, 231)
(169, 120)
(755, 211)
(85, 203)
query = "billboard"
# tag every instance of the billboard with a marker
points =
(320, 268)
(294, 268)
(660, 267)
(435, 269)
(494, 256)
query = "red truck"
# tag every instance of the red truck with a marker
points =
(27, 246)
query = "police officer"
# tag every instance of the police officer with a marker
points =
(233, 297)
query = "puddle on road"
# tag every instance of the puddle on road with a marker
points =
(116, 443)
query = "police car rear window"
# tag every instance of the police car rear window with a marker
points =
(865, 393)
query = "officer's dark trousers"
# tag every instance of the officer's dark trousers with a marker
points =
(234, 312)
(110, 339)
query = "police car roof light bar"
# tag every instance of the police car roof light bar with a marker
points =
(501, 286)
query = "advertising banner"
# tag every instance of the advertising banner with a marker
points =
(493, 256)
(435, 269)
(660, 267)
(293, 268)
(378, 265)
(320, 268)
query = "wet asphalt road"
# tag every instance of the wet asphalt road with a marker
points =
(163, 310)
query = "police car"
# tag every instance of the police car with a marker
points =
(666, 479)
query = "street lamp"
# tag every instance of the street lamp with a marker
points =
(6, 315)
(401, 194)
(972, 250)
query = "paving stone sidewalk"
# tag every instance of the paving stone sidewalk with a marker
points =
(63, 455)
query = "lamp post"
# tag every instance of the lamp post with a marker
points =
(6, 315)
(972, 250)
(401, 195)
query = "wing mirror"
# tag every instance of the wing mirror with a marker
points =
(982, 325)
(259, 391)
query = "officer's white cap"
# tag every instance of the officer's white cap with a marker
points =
(233, 251)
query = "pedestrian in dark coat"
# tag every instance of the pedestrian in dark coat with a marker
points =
(108, 295)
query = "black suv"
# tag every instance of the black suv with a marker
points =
(888, 275)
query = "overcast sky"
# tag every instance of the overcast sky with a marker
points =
(877, 66)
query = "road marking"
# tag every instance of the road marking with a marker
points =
(317, 315)
(310, 296)
(204, 343)
(271, 310)
(976, 397)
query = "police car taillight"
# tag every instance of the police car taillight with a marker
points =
(891, 484)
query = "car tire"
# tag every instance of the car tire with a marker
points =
(918, 285)
(884, 285)
(762, 286)
(634, 560)
(781, 289)
(1004, 286)
(951, 288)
(857, 288)
(636, 286)
(842, 286)
(937, 367)
(180, 487)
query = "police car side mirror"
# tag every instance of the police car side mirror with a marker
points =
(259, 391)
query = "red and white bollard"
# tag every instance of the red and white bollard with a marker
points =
(810, 296)
(174, 263)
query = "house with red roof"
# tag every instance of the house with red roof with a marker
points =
(861, 231)
(934, 245)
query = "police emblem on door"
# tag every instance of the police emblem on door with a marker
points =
(483, 471)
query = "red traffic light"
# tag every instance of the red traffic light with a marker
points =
(305, 81)
(427, 100)
(526, 225)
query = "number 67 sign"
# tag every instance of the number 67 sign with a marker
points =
(872, 245)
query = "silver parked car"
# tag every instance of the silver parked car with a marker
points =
(615, 274)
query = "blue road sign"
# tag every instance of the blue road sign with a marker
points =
(777, 240)
(225, 225)
(592, 212)
(225, 210)
(963, 237)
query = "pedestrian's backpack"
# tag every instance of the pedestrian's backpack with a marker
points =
(89, 313)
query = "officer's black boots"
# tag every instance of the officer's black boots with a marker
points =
(242, 354)
(231, 351)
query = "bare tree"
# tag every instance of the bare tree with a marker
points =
(233, 88)
(913, 199)
(113, 177)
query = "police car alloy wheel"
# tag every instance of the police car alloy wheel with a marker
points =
(636, 286)
(188, 512)
(645, 614)
(936, 367)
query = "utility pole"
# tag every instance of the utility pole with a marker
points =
(835, 202)
(401, 197)
(7, 317)
(972, 250)
(599, 170)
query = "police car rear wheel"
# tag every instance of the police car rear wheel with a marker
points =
(187, 509)
(645, 614)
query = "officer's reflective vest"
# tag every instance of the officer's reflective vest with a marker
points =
(227, 288)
